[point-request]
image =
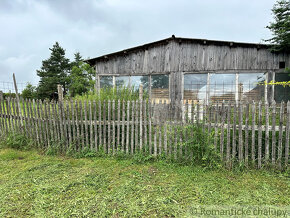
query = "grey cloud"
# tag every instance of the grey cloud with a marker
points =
(96, 27)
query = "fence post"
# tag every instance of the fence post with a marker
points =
(140, 92)
(60, 93)
(1, 96)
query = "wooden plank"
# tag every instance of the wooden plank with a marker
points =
(87, 143)
(160, 137)
(155, 140)
(132, 127)
(77, 112)
(273, 133)
(109, 127)
(91, 126)
(140, 125)
(240, 155)
(56, 117)
(175, 140)
(8, 106)
(113, 127)
(13, 115)
(150, 126)
(223, 117)
(68, 125)
(53, 122)
(96, 126)
(61, 124)
(123, 126)
(41, 107)
(260, 135)
(118, 125)
(234, 151)
(287, 135)
(247, 133)
(82, 134)
(281, 120)
(46, 123)
(216, 112)
(253, 150)
(104, 127)
(73, 123)
(39, 125)
(128, 127)
(136, 124)
(165, 138)
(100, 124)
(267, 132)
(145, 124)
(228, 134)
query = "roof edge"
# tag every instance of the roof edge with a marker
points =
(179, 40)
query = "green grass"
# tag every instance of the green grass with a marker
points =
(32, 184)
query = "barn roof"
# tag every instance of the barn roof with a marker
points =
(179, 40)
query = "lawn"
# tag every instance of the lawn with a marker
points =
(32, 184)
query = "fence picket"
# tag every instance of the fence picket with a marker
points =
(123, 126)
(132, 128)
(273, 133)
(240, 132)
(91, 126)
(260, 135)
(281, 120)
(287, 135)
(267, 132)
(128, 127)
(253, 153)
(109, 127)
(247, 134)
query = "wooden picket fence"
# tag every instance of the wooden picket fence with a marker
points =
(255, 134)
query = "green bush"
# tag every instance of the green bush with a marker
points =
(16, 141)
(199, 145)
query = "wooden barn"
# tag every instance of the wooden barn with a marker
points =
(197, 70)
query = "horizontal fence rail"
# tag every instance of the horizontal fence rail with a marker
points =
(253, 133)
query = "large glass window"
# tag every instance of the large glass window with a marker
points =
(106, 81)
(136, 81)
(160, 87)
(195, 86)
(282, 92)
(222, 87)
(122, 81)
(251, 86)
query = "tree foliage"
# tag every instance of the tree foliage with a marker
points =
(280, 28)
(54, 71)
(81, 77)
(29, 91)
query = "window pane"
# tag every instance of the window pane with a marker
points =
(160, 87)
(106, 81)
(282, 93)
(122, 81)
(195, 86)
(251, 86)
(137, 80)
(222, 87)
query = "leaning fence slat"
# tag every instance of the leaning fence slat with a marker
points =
(273, 133)
(150, 127)
(281, 120)
(140, 125)
(73, 123)
(287, 134)
(155, 140)
(4, 116)
(47, 118)
(13, 115)
(82, 125)
(260, 135)
(53, 124)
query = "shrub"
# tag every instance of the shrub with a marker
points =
(16, 141)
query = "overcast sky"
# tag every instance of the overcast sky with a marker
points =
(96, 27)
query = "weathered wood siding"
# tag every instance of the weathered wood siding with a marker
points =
(175, 56)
